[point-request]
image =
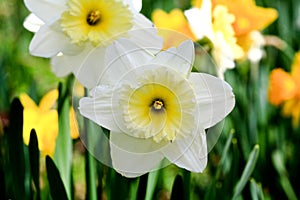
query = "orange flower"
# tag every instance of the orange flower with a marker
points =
(284, 88)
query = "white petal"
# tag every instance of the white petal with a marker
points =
(214, 97)
(144, 34)
(61, 65)
(33, 23)
(200, 20)
(47, 42)
(135, 5)
(122, 57)
(133, 157)
(180, 59)
(46, 10)
(88, 66)
(189, 153)
(99, 107)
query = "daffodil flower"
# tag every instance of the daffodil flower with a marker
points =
(156, 108)
(250, 19)
(284, 89)
(216, 25)
(44, 119)
(71, 29)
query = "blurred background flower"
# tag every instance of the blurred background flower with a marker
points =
(44, 119)
(284, 89)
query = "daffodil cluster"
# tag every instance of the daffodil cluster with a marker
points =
(232, 27)
(141, 90)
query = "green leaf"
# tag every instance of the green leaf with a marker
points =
(278, 162)
(34, 156)
(247, 172)
(151, 184)
(142, 189)
(256, 190)
(56, 184)
(17, 180)
(63, 146)
(178, 189)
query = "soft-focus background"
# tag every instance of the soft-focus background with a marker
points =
(256, 157)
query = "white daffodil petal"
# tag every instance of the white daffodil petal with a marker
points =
(180, 59)
(47, 42)
(88, 66)
(98, 108)
(144, 34)
(189, 153)
(214, 97)
(121, 57)
(133, 164)
(135, 5)
(46, 10)
(61, 66)
(199, 18)
(33, 23)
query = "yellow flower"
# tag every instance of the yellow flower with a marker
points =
(97, 21)
(284, 88)
(175, 20)
(248, 18)
(44, 119)
(216, 23)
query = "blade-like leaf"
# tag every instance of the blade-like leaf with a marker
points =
(34, 156)
(142, 189)
(247, 172)
(56, 184)
(63, 147)
(16, 166)
(178, 189)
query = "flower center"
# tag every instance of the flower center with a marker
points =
(98, 22)
(94, 17)
(158, 105)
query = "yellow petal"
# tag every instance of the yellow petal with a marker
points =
(27, 102)
(296, 67)
(48, 101)
(73, 125)
(249, 17)
(196, 3)
(281, 87)
(291, 108)
(175, 20)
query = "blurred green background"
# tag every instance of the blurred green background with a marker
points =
(256, 157)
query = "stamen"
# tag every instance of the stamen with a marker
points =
(93, 17)
(158, 104)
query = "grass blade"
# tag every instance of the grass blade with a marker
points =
(247, 172)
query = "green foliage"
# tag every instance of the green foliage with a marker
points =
(57, 188)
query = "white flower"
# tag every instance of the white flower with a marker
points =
(216, 25)
(68, 30)
(156, 108)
